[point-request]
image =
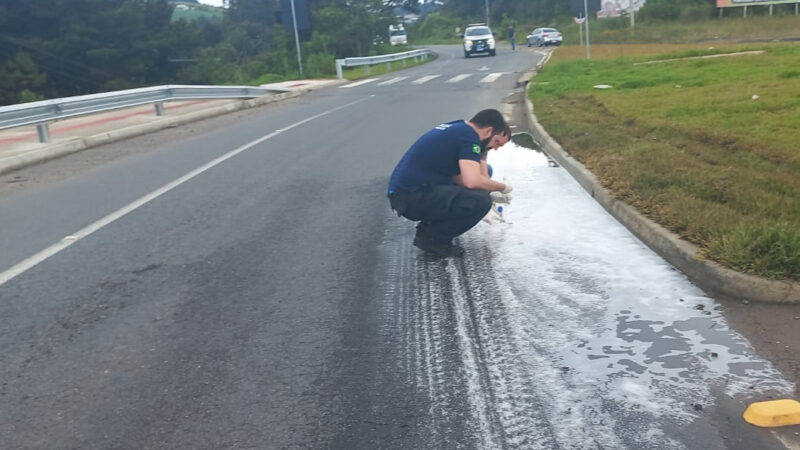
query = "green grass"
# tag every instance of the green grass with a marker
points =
(360, 72)
(688, 145)
(440, 29)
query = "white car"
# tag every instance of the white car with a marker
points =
(544, 37)
(397, 35)
(478, 38)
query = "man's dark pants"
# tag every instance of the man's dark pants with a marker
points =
(443, 212)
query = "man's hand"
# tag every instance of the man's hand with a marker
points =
(507, 189)
(499, 197)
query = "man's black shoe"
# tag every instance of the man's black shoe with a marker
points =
(438, 249)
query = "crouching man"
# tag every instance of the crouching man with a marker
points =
(443, 180)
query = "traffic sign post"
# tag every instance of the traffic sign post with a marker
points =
(579, 21)
(586, 15)
(581, 8)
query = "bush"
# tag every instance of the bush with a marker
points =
(770, 249)
(320, 65)
(675, 10)
(268, 78)
(29, 96)
(436, 27)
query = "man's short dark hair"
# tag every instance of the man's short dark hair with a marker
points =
(491, 118)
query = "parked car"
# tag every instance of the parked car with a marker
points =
(544, 37)
(478, 38)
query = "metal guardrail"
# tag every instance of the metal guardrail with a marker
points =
(388, 59)
(42, 112)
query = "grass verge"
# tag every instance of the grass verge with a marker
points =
(360, 72)
(705, 147)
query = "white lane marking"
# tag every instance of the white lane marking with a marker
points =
(458, 78)
(392, 81)
(425, 79)
(72, 238)
(359, 83)
(491, 77)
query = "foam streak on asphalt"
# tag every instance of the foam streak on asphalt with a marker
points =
(559, 329)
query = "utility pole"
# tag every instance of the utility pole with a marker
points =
(633, 21)
(586, 14)
(486, 2)
(297, 41)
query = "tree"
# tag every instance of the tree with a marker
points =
(674, 10)
(88, 46)
(250, 27)
(22, 73)
(351, 24)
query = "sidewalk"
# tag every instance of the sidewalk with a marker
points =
(20, 147)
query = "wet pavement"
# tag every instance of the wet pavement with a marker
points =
(559, 329)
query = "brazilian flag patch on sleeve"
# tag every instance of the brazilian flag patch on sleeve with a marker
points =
(476, 149)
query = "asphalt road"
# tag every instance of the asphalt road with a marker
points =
(242, 283)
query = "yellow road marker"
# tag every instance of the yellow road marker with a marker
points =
(775, 413)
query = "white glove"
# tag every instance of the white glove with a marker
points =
(508, 189)
(494, 215)
(499, 197)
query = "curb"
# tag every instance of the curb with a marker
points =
(74, 145)
(708, 275)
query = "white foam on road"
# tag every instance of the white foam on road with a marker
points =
(603, 329)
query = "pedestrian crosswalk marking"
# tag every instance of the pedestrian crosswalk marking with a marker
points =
(491, 77)
(392, 81)
(458, 78)
(359, 83)
(425, 79)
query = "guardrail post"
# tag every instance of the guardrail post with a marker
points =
(388, 67)
(43, 130)
(404, 62)
(366, 69)
(339, 64)
(159, 108)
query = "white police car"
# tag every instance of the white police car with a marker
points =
(478, 38)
